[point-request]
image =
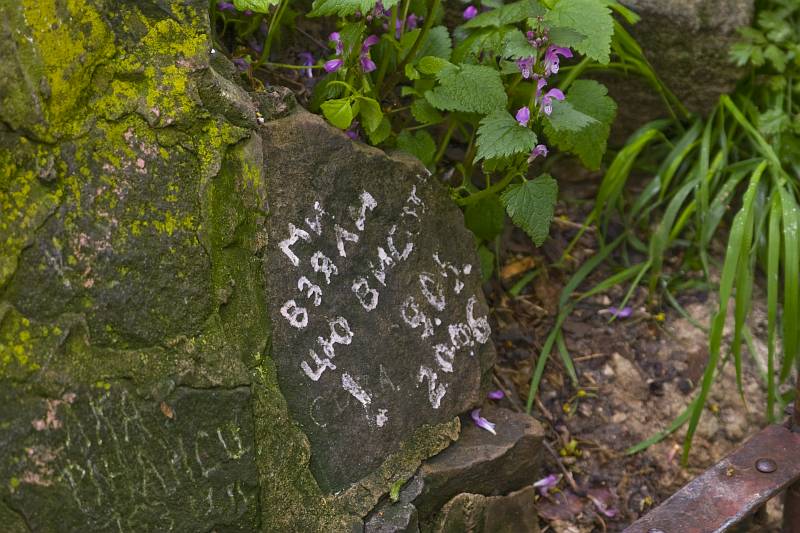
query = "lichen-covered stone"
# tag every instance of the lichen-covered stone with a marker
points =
(145, 381)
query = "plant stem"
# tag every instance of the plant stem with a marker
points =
(414, 48)
(445, 141)
(273, 25)
(488, 191)
(293, 67)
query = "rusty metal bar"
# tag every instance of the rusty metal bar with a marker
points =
(734, 488)
(791, 502)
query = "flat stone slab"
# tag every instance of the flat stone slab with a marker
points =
(480, 462)
(378, 320)
(475, 513)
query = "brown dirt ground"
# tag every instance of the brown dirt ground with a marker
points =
(638, 373)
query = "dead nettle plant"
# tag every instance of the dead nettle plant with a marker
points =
(396, 75)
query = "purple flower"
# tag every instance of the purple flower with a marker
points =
(248, 13)
(496, 395)
(337, 39)
(380, 11)
(525, 66)
(482, 422)
(226, 6)
(547, 100)
(255, 45)
(411, 23)
(523, 116)
(551, 58)
(625, 312)
(546, 483)
(367, 64)
(241, 63)
(333, 65)
(307, 60)
(470, 13)
(540, 83)
(352, 131)
(538, 150)
(372, 40)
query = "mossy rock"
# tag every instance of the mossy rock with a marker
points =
(146, 380)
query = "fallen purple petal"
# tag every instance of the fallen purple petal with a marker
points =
(241, 63)
(482, 422)
(625, 312)
(546, 483)
(470, 13)
(601, 498)
(496, 395)
(226, 6)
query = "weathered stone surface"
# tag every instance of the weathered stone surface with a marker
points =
(148, 380)
(378, 322)
(116, 461)
(687, 42)
(480, 462)
(475, 513)
(393, 518)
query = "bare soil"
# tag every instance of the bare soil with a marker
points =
(637, 375)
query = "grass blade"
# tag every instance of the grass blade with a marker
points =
(791, 281)
(773, 265)
(726, 288)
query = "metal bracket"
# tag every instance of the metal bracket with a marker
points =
(731, 490)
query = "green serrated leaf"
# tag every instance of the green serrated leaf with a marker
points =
(589, 143)
(486, 218)
(593, 19)
(342, 8)
(437, 44)
(411, 72)
(424, 112)
(468, 88)
(565, 117)
(432, 64)
(565, 37)
(257, 6)
(370, 113)
(531, 206)
(419, 144)
(339, 112)
(516, 46)
(381, 133)
(500, 135)
(507, 14)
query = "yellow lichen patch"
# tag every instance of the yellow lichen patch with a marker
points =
(24, 204)
(20, 341)
(68, 47)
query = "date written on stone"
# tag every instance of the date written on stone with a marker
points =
(317, 273)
